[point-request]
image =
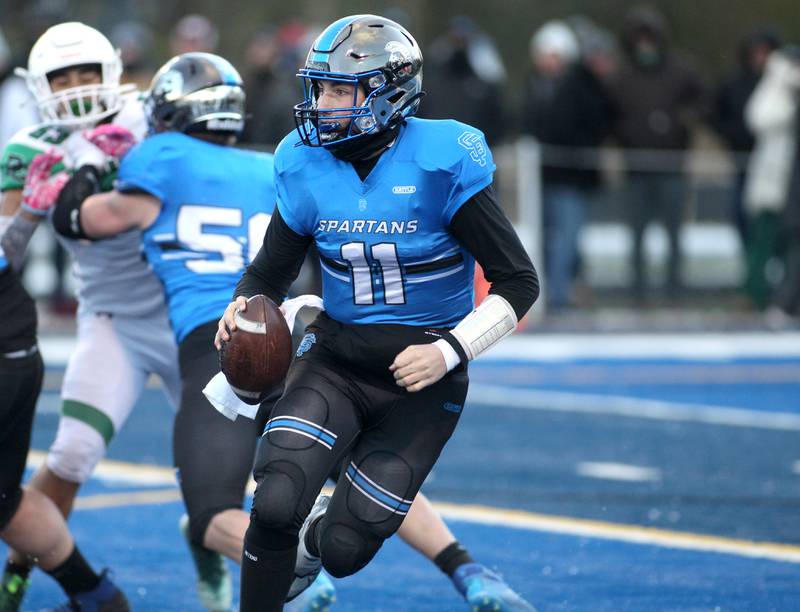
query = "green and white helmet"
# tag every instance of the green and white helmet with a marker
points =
(369, 51)
(68, 45)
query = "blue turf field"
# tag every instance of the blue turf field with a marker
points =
(554, 470)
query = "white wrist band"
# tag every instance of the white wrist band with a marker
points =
(451, 358)
(485, 326)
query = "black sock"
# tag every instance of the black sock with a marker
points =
(75, 575)
(312, 539)
(267, 574)
(20, 570)
(452, 557)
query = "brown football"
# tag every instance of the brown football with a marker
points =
(258, 354)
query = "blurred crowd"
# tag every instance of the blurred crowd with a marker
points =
(587, 89)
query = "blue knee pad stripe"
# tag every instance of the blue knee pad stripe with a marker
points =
(385, 499)
(302, 427)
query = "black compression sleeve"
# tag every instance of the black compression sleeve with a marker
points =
(277, 264)
(482, 227)
(66, 214)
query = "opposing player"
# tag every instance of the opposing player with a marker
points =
(399, 209)
(123, 331)
(29, 521)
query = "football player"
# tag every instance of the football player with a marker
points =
(29, 521)
(89, 120)
(201, 206)
(196, 265)
(399, 210)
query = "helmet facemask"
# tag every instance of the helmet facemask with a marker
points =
(83, 105)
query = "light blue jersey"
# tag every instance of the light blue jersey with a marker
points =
(385, 247)
(216, 203)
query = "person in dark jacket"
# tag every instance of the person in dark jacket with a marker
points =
(657, 93)
(568, 111)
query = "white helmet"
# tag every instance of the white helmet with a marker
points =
(74, 44)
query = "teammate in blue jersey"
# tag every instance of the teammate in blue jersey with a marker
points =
(399, 209)
(198, 201)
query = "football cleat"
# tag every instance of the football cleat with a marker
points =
(12, 591)
(105, 597)
(316, 598)
(214, 583)
(485, 591)
(307, 566)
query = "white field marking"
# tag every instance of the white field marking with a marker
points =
(796, 467)
(109, 470)
(617, 471)
(693, 347)
(517, 519)
(128, 498)
(633, 534)
(564, 347)
(586, 403)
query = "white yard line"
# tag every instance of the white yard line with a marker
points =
(586, 403)
(617, 471)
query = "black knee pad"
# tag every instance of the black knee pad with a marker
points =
(9, 503)
(203, 506)
(345, 550)
(280, 488)
(370, 503)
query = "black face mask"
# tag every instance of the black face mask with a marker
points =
(366, 147)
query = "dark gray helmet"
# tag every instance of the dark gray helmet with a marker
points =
(196, 92)
(368, 51)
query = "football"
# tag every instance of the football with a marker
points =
(257, 356)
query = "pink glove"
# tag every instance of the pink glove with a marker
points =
(41, 186)
(113, 140)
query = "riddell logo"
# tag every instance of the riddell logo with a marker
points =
(404, 189)
(250, 556)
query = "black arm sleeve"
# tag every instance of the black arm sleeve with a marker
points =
(67, 211)
(482, 227)
(277, 264)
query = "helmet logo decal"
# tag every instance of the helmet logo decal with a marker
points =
(473, 143)
(170, 82)
(399, 53)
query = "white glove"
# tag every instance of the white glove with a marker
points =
(80, 152)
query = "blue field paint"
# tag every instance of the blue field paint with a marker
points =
(152, 564)
(736, 482)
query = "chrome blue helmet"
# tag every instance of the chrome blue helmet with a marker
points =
(370, 52)
(196, 92)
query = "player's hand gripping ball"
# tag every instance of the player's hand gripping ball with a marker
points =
(257, 356)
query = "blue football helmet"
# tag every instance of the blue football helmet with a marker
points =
(370, 52)
(196, 92)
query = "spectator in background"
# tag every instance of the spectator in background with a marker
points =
(194, 33)
(770, 113)
(657, 94)
(17, 106)
(271, 61)
(567, 109)
(786, 304)
(135, 43)
(467, 79)
(730, 100)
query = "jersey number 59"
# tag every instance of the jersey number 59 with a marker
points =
(227, 253)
